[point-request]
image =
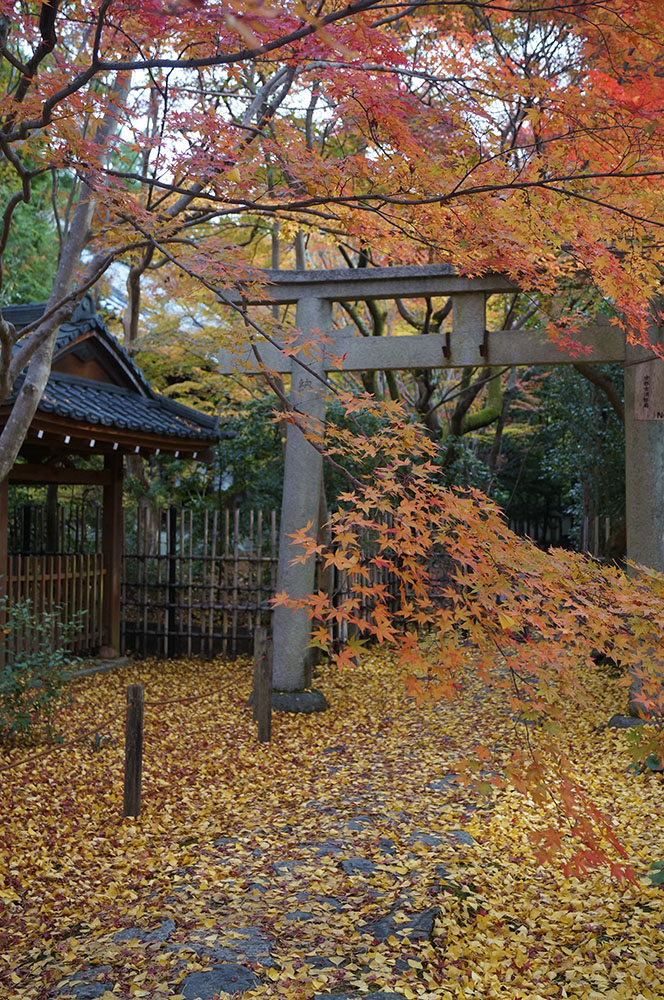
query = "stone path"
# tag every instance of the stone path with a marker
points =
(264, 916)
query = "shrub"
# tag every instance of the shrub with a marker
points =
(34, 664)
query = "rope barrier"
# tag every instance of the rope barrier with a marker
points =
(88, 734)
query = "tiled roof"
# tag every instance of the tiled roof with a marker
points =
(83, 320)
(113, 406)
(137, 409)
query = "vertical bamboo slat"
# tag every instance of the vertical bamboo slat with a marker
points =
(213, 574)
(259, 571)
(236, 556)
(190, 583)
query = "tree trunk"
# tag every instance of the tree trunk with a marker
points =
(39, 361)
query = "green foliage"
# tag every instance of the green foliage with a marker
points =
(362, 423)
(563, 454)
(31, 256)
(248, 468)
(33, 679)
(251, 460)
(461, 465)
(656, 873)
(587, 445)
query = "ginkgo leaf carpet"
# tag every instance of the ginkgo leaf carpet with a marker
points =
(347, 857)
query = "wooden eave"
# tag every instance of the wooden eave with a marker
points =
(53, 432)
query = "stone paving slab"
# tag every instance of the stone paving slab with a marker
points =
(227, 978)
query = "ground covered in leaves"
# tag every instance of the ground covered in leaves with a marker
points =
(347, 857)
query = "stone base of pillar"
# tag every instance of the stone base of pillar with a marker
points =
(311, 700)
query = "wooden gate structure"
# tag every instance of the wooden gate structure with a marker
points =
(467, 344)
(96, 406)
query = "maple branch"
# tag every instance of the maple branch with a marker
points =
(47, 17)
(404, 12)
(222, 297)
(244, 55)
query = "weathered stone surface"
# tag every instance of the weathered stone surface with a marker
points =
(88, 991)
(358, 823)
(257, 887)
(428, 839)
(217, 952)
(444, 784)
(229, 978)
(315, 902)
(254, 943)
(162, 933)
(320, 962)
(299, 915)
(312, 700)
(419, 927)
(89, 984)
(225, 842)
(624, 722)
(382, 995)
(327, 847)
(358, 866)
(414, 926)
(285, 867)
(462, 837)
(380, 929)
(334, 904)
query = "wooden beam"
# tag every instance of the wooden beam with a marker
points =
(504, 347)
(55, 430)
(30, 473)
(112, 548)
(351, 283)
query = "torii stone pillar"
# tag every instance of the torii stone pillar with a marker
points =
(303, 472)
(644, 455)
(467, 345)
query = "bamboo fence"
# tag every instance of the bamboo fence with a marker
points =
(70, 585)
(196, 585)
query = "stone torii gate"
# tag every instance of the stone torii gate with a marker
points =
(469, 344)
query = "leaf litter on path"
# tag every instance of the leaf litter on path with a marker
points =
(346, 857)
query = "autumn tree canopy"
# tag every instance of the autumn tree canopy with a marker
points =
(192, 139)
(524, 138)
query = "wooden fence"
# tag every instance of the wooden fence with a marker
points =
(71, 583)
(69, 527)
(201, 584)
(193, 583)
(196, 585)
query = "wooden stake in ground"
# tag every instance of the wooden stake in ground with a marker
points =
(262, 700)
(133, 775)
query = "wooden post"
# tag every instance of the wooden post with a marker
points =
(112, 546)
(172, 522)
(262, 700)
(133, 773)
(4, 558)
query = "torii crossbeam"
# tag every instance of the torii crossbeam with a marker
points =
(468, 344)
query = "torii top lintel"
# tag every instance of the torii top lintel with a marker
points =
(467, 344)
(351, 283)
